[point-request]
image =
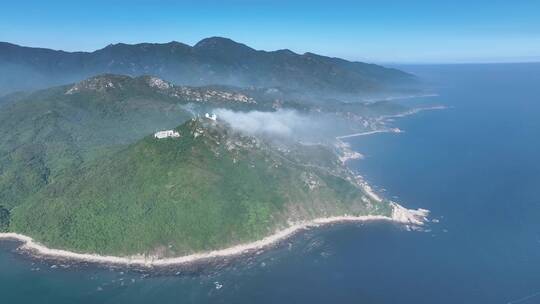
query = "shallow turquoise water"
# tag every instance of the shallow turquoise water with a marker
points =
(476, 165)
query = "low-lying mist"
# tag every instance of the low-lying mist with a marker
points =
(286, 124)
(283, 123)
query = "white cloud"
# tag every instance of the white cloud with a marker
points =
(283, 123)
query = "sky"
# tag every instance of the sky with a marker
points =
(408, 31)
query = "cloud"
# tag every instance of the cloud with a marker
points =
(283, 123)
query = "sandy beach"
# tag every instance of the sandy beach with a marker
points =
(399, 215)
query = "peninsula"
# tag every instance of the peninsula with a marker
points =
(130, 170)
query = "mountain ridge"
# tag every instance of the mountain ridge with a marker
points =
(213, 60)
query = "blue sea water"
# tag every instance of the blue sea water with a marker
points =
(475, 165)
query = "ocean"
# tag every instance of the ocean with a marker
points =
(475, 165)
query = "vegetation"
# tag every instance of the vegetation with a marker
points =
(4, 219)
(49, 133)
(213, 60)
(79, 170)
(208, 189)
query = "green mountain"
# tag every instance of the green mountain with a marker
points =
(211, 61)
(80, 169)
(209, 188)
(48, 132)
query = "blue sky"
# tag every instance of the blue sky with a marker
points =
(376, 31)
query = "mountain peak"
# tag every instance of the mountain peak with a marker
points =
(285, 52)
(100, 83)
(219, 43)
(109, 82)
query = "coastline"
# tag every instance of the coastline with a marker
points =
(392, 130)
(413, 111)
(385, 118)
(399, 215)
(400, 97)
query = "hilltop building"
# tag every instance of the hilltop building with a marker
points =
(166, 134)
(211, 116)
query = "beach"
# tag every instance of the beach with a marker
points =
(399, 215)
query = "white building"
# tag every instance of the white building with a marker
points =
(211, 116)
(166, 134)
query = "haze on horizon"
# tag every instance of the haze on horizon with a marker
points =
(389, 32)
